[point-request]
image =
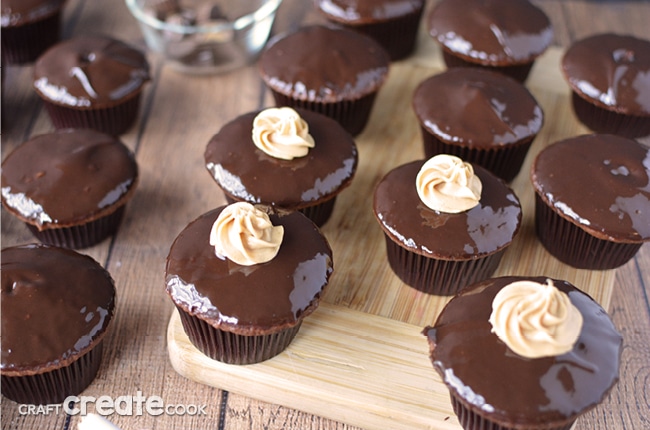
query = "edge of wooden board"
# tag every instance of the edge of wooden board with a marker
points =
(346, 365)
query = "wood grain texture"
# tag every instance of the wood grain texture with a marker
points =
(179, 113)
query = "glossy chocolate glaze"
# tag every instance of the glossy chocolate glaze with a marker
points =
(348, 66)
(600, 183)
(495, 32)
(509, 389)
(480, 231)
(368, 11)
(256, 299)
(56, 305)
(247, 173)
(90, 72)
(477, 108)
(612, 71)
(20, 12)
(67, 176)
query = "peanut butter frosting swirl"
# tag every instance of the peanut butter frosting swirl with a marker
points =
(445, 183)
(535, 320)
(282, 133)
(245, 235)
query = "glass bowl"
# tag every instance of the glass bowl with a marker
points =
(205, 36)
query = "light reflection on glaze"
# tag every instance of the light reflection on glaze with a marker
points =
(59, 94)
(186, 294)
(309, 278)
(231, 183)
(25, 206)
(490, 229)
(612, 69)
(115, 194)
(330, 183)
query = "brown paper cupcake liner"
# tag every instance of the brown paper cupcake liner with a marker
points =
(470, 420)
(574, 246)
(519, 72)
(397, 36)
(319, 213)
(54, 386)
(233, 348)
(504, 161)
(81, 236)
(440, 277)
(112, 120)
(602, 120)
(23, 44)
(352, 115)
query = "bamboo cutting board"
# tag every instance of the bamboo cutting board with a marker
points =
(361, 358)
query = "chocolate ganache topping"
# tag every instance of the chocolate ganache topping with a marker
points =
(491, 31)
(90, 72)
(68, 176)
(477, 108)
(612, 71)
(600, 183)
(349, 65)
(482, 230)
(246, 172)
(508, 388)
(249, 299)
(365, 12)
(56, 306)
(19, 12)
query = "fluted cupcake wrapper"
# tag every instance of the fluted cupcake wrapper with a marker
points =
(233, 348)
(574, 246)
(83, 235)
(397, 36)
(470, 420)
(505, 161)
(605, 121)
(113, 120)
(25, 43)
(440, 277)
(519, 72)
(352, 115)
(319, 213)
(54, 386)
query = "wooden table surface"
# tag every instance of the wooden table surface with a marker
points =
(178, 116)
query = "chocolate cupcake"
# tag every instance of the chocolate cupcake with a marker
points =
(592, 200)
(503, 35)
(525, 353)
(480, 116)
(446, 222)
(392, 23)
(56, 307)
(29, 27)
(69, 187)
(244, 277)
(609, 75)
(285, 158)
(91, 81)
(341, 82)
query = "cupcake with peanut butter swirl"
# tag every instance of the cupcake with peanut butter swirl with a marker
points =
(287, 158)
(524, 353)
(243, 277)
(446, 222)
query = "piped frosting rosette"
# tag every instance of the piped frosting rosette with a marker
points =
(245, 235)
(445, 183)
(282, 133)
(535, 320)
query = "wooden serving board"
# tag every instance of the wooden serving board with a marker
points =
(361, 358)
